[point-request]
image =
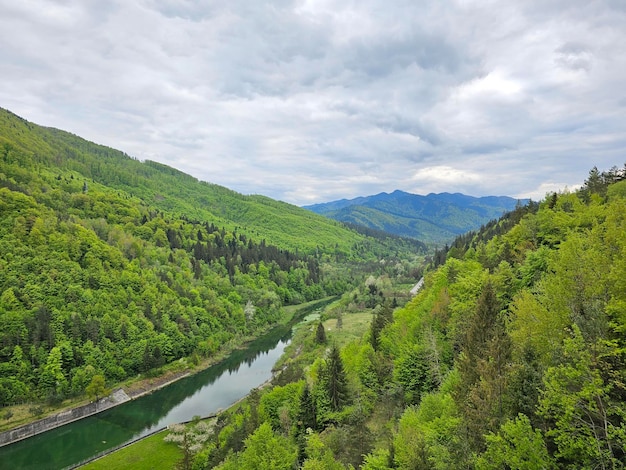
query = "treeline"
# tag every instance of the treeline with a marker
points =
(597, 183)
(512, 356)
(110, 267)
(416, 245)
(40, 150)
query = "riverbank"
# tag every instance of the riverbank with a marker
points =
(301, 351)
(117, 397)
(38, 414)
(41, 419)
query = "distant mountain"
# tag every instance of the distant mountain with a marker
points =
(435, 218)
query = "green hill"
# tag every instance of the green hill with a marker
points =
(51, 150)
(111, 267)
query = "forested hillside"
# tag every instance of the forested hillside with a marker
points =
(435, 218)
(47, 150)
(511, 356)
(110, 267)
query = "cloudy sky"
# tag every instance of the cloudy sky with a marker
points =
(315, 100)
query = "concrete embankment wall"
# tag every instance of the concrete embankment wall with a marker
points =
(65, 417)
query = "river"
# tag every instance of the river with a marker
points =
(201, 394)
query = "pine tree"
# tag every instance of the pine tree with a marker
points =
(307, 416)
(320, 334)
(336, 380)
(306, 419)
(381, 318)
(484, 366)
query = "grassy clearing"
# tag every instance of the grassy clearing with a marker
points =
(354, 327)
(303, 349)
(149, 453)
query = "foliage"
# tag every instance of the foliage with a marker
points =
(263, 450)
(517, 446)
(334, 381)
(97, 387)
(586, 423)
(320, 334)
(190, 439)
(113, 267)
(511, 356)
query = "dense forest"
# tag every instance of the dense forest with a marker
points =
(511, 356)
(111, 267)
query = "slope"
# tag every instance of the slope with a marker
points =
(169, 189)
(435, 218)
(511, 356)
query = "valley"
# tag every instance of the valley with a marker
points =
(115, 271)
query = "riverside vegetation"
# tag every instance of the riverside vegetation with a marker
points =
(111, 268)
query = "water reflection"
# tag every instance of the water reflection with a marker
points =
(198, 395)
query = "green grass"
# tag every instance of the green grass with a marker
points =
(149, 453)
(354, 327)
(303, 349)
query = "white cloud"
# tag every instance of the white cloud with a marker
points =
(545, 189)
(309, 101)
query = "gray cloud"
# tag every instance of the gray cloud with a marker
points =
(308, 101)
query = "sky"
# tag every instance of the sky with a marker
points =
(309, 101)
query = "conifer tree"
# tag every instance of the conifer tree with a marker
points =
(320, 334)
(336, 380)
(483, 366)
(306, 419)
(306, 410)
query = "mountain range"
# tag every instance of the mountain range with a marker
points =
(435, 218)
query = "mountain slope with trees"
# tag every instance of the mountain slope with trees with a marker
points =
(110, 267)
(167, 189)
(511, 356)
(435, 218)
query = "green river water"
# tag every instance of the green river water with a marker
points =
(197, 395)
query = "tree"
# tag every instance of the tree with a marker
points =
(307, 416)
(335, 380)
(320, 334)
(429, 436)
(412, 370)
(516, 446)
(264, 450)
(97, 387)
(189, 439)
(378, 460)
(52, 381)
(479, 332)
(483, 366)
(585, 424)
(320, 457)
(382, 317)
